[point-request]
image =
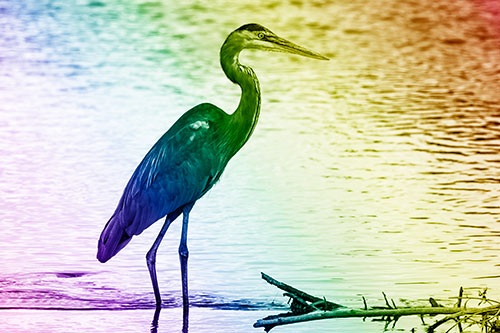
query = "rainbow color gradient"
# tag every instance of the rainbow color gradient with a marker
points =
(376, 171)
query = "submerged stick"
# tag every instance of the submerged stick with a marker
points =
(310, 311)
(294, 291)
(345, 312)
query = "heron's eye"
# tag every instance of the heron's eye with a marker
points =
(260, 35)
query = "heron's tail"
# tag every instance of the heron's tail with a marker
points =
(113, 239)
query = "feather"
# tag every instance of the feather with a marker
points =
(113, 239)
(180, 168)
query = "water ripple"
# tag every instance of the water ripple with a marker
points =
(46, 291)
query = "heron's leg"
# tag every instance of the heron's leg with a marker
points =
(183, 257)
(151, 255)
(154, 323)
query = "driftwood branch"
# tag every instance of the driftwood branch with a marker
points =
(306, 307)
(296, 294)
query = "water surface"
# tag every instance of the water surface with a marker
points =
(375, 171)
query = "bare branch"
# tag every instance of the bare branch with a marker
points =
(306, 307)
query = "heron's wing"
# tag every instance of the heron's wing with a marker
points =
(179, 169)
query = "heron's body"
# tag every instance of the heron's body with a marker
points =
(191, 156)
(180, 168)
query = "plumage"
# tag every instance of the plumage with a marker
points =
(180, 168)
(190, 157)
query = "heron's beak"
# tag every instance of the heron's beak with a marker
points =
(282, 45)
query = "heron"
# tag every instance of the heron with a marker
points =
(188, 160)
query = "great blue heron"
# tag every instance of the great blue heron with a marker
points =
(191, 156)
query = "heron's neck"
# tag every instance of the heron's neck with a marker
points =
(246, 115)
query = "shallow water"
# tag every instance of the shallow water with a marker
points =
(375, 171)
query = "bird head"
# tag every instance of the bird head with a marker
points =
(255, 36)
